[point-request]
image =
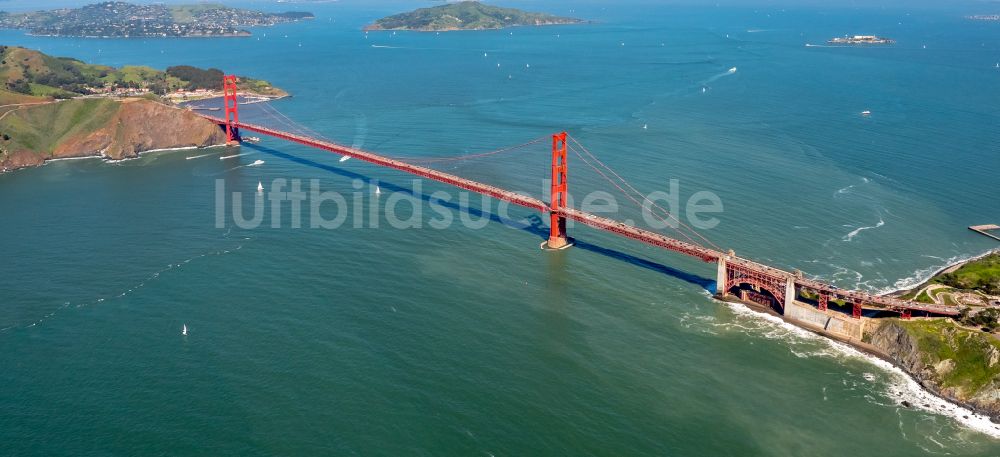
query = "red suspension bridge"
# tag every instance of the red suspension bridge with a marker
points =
(735, 275)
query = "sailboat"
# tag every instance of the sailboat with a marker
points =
(378, 190)
(184, 329)
(260, 187)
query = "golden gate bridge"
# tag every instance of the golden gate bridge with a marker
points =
(735, 275)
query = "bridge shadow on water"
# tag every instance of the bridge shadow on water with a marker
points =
(534, 227)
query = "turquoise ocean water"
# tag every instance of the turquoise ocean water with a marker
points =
(472, 341)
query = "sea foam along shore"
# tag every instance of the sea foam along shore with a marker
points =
(100, 156)
(921, 278)
(902, 386)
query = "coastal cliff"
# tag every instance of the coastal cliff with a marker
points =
(115, 129)
(952, 362)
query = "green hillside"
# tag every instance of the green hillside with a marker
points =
(469, 15)
(32, 73)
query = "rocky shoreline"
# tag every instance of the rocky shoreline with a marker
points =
(891, 343)
(137, 126)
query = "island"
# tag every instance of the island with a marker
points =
(59, 107)
(861, 39)
(984, 17)
(123, 20)
(466, 15)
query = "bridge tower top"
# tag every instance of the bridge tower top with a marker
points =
(229, 91)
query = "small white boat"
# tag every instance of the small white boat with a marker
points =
(997, 65)
(732, 70)
(184, 329)
(378, 190)
(260, 187)
(645, 126)
(345, 158)
(866, 113)
(704, 89)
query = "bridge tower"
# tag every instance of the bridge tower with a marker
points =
(229, 91)
(557, 223)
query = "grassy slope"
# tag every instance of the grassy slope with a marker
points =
(43, 128)
(12, 98)
(982, 274)
(941, 339)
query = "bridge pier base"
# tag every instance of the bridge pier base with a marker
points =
(789, 294)
(721, 288)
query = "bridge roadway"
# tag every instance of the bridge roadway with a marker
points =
(600, 223)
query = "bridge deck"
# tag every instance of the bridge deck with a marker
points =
(598, 222)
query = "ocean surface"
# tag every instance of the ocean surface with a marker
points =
(472, 341)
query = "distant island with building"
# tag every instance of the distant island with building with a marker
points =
(125, 20)
(861, 39)
(59, 107)
(467, 15)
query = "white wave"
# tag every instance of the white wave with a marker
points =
(850, 236)
(72, 158)
(844, 190)
(380, 46)
(899, 387)
(199, 156)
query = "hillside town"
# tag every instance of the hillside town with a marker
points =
(122, 20)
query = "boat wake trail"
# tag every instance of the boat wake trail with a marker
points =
(360, 131)
(135, 288)
(203, 155)
(235, 155)
(256, 163)
(729, 72)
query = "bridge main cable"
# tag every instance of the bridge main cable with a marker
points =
(461, 183)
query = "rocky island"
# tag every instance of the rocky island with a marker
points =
(123, 20)
(467, 15)
(57, 107)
